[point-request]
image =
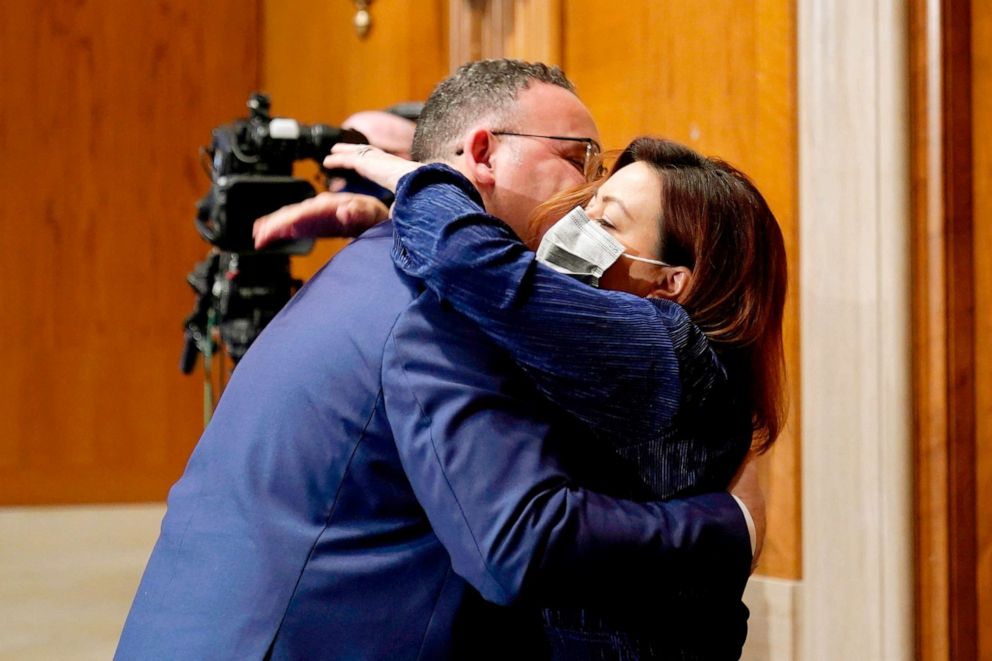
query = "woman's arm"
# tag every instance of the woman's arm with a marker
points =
(609, 358)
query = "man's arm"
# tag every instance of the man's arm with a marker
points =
(477, 459)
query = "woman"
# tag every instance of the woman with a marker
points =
(691, 268)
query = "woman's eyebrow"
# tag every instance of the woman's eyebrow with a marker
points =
(618, 202)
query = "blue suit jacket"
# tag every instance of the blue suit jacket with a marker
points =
(372, 464)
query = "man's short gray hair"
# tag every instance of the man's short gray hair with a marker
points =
(485, 88)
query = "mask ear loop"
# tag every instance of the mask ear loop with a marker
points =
(646, 260)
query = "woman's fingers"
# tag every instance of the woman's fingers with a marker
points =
(370, 162)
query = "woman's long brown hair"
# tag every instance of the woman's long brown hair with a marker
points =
(715, 222)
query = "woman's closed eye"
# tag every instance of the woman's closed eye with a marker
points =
(605, 222)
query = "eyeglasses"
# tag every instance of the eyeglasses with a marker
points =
(592, 148)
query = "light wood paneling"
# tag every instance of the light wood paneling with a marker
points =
(105, 104)
(317, 68)
(523, 29)
(720, 77)
(537, 32)
(981, 61)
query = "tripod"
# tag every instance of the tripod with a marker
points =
(237, 295)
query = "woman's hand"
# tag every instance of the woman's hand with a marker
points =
(370, 162)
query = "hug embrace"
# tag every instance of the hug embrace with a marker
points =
(504, 421)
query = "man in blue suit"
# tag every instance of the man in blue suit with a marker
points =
(375, 464)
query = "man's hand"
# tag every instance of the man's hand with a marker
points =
(326, 215)
(745, 486)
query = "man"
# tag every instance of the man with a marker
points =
(375, 464)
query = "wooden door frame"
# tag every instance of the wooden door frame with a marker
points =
(943, 329)
(504, 28)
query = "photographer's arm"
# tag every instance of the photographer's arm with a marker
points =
(326, 215)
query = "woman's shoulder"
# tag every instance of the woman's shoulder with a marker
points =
(695, 353)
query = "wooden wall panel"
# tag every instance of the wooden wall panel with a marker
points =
(105, 104)
(981, 61)
(719, 76)
(948, 352)
(524, 29)
(317, 68)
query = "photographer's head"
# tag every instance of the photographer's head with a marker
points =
(386, 130)
(515, 129)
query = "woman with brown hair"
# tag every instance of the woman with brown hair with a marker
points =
(673, 359)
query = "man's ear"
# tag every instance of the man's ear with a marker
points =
(478, 149)
(671, 282)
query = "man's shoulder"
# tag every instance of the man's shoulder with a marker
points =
(368, 254)
(431, 323)
(360, 277)
(341, 318)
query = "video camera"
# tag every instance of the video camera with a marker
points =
(252, 173)
(240, 289)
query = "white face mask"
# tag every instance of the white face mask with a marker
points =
(577, 246)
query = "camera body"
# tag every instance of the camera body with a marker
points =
(240, 289)
(252, 173)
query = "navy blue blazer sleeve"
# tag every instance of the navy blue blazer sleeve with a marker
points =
(599, 355)
(476, 456)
